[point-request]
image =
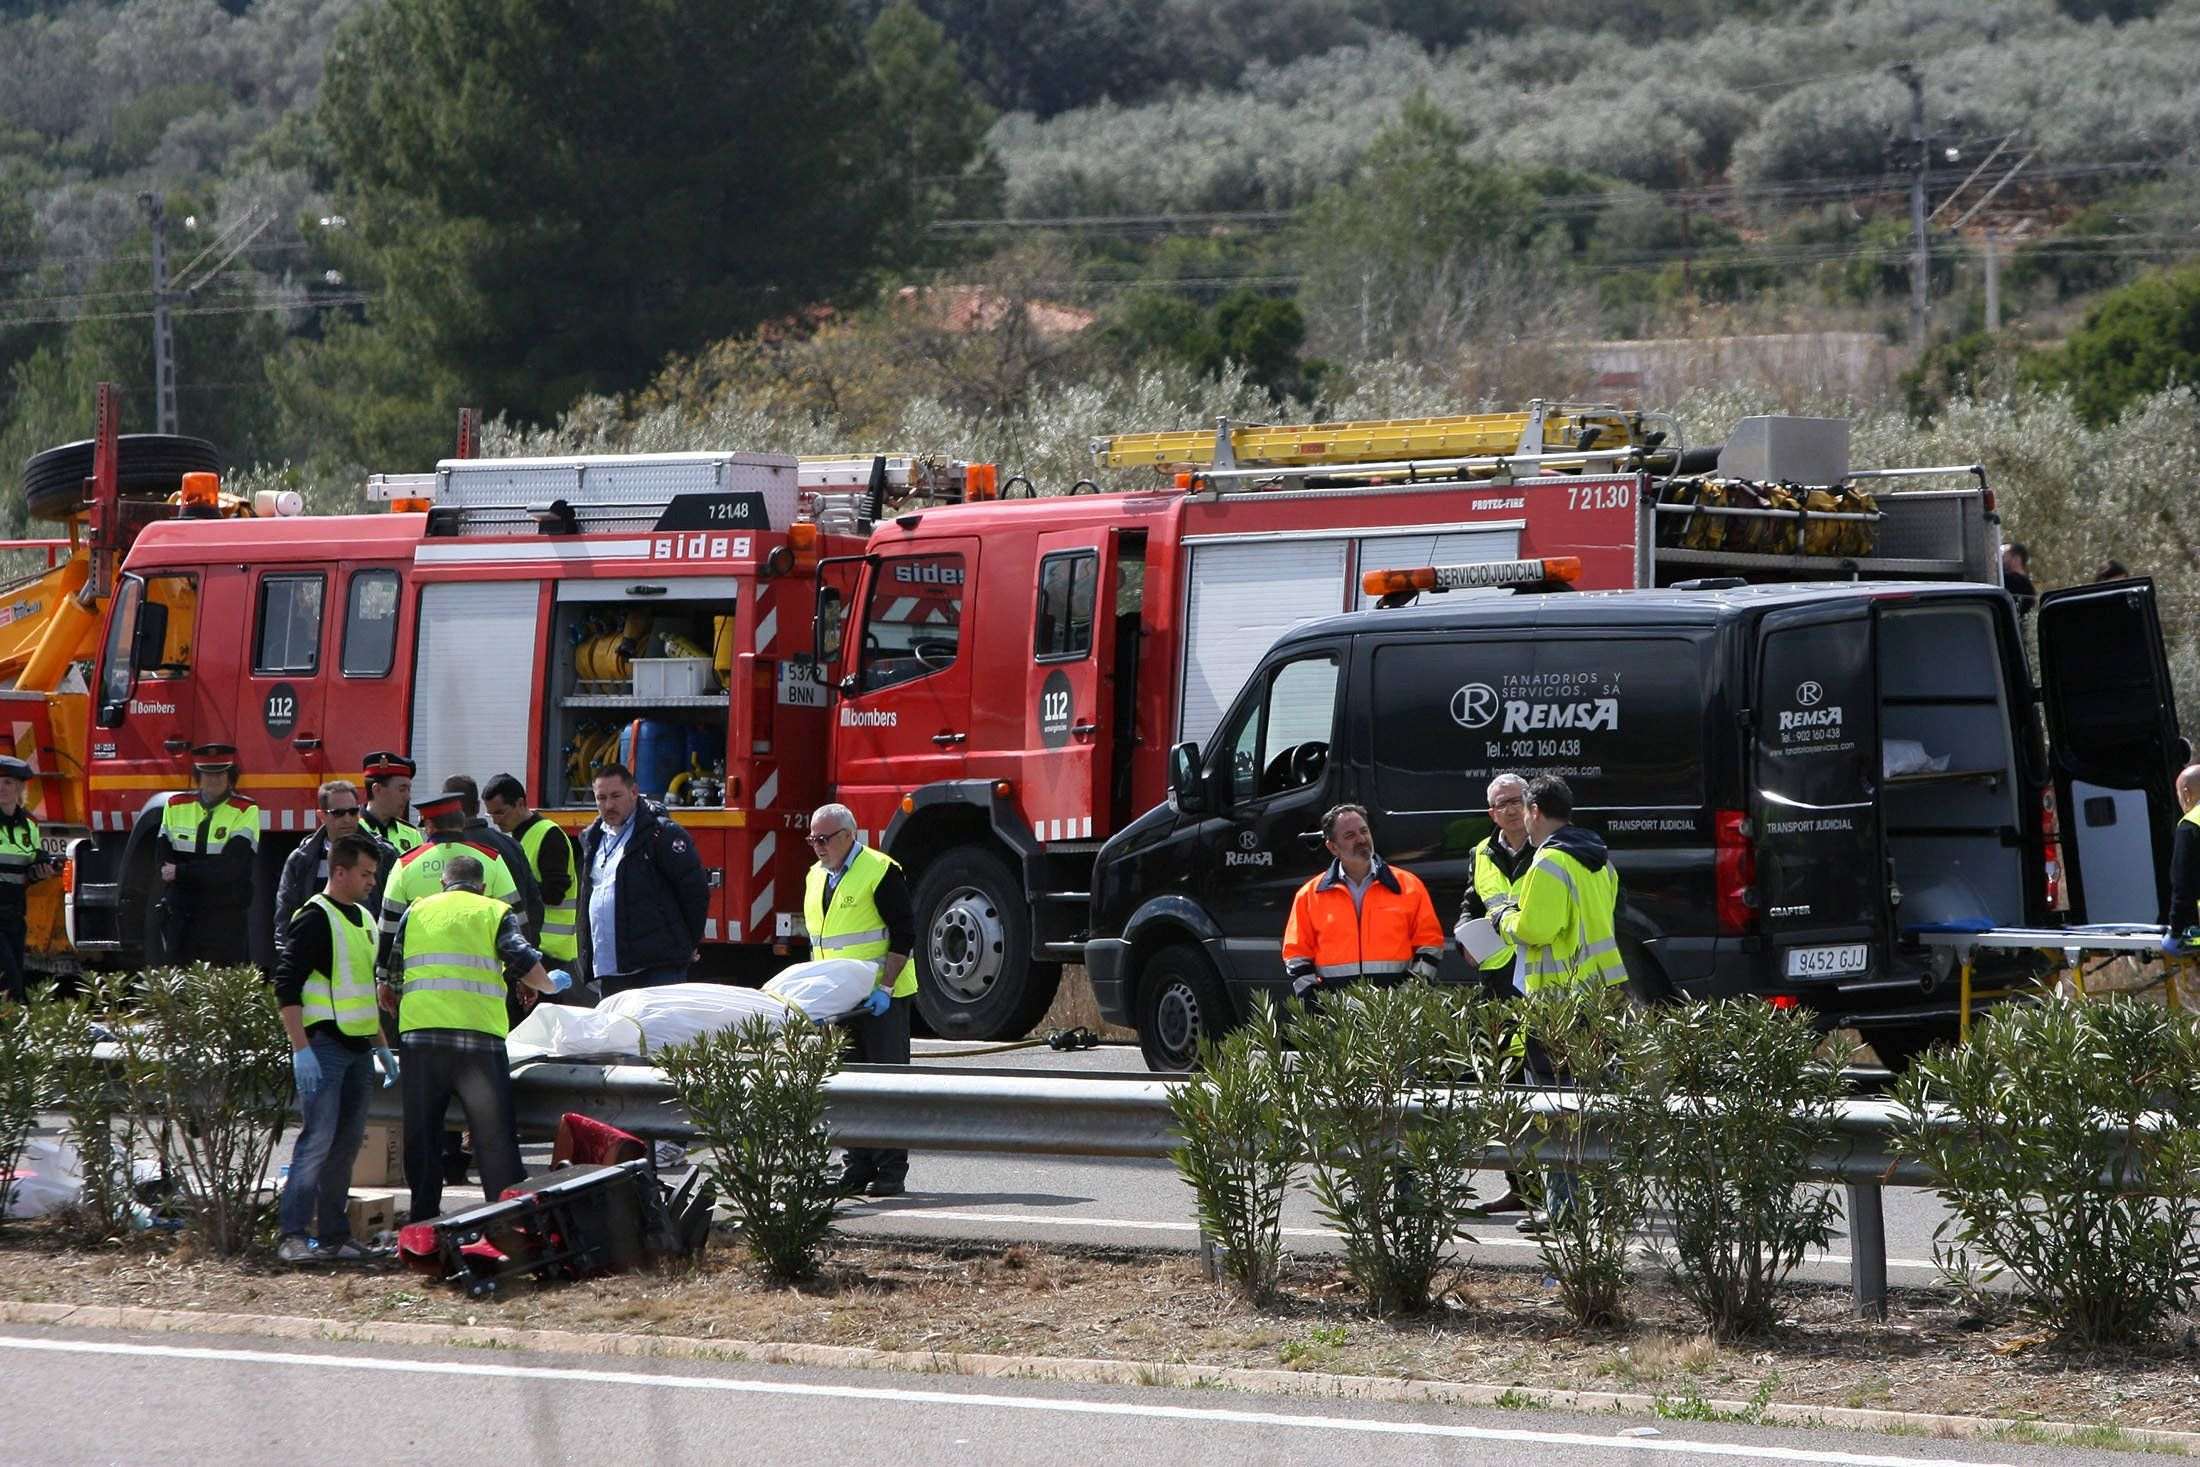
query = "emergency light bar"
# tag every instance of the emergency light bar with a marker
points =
(1566, 568)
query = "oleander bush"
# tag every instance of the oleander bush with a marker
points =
(1240, 1147)
(2066, 1136)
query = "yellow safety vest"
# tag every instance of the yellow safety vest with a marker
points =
(561, 933)
(453, 978)
(20, 849)
(853, 928)
(1489, 884)
(194, 829)
(1571, 908)
(397, 835)
(344, 998)
(419, 875)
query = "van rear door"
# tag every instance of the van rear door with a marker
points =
(1821, 872)
(2112, 731)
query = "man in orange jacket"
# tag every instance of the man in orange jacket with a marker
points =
(1362, 918)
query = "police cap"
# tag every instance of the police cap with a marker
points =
(435, 807)
(386, 765)
(13, 768)
(214, 759)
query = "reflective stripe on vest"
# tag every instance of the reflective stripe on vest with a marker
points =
(1489, 881)
(346, 997)
(853, 928)
(453, 978)
(561, 923)
(184, 821)
(1586, 950)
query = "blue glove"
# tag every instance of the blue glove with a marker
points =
(305, 1068)
(560, 980)
(877, 1002)
(388, 1061)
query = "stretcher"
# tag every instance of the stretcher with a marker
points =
(2072, 945)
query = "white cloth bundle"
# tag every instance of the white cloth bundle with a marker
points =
(641, 1021)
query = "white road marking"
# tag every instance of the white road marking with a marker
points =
(1078, 1220)
(1751, 1451)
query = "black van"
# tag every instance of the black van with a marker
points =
(1791, 778)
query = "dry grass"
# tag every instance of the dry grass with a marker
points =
(1499, 1326)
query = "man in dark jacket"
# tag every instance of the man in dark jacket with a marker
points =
(643, 892)
(305, 869)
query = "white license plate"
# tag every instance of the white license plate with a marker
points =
(1830, 961)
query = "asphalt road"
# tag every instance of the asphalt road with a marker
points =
(77, 1398)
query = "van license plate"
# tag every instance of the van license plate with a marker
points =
(1827, 962)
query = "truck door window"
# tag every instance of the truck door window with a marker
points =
(1282, 742)
(178, 596)
(1066, 589)
(370, 624)
(289, 635)
(914, 623)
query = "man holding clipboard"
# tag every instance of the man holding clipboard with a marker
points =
(1500, 864)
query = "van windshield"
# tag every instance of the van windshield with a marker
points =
(1620, 719)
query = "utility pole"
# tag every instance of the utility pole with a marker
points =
(1993, 280)
(1920, 258)
(164, 339)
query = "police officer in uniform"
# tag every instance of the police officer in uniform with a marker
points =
(209, 845)
(856, 904)
(389, 780)
(549, 853)
(445, 978)
(23, 860)
(420, 870)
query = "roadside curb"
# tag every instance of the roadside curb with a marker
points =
(1064, 1370)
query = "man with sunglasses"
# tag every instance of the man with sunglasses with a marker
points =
(305, 870)
(856, 905)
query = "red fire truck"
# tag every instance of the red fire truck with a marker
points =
(990, 682)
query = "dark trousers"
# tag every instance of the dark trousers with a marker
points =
(642, 978)
(13, 984)
(431, 1075)
(880, 1041)
(217, 935)
(331, 1125)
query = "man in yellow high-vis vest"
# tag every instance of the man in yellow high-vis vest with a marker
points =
(1500, 866)
(23, 862)
(1565, 927)
(324, 991)
(445, 974)
(856, 904)
(549, 853)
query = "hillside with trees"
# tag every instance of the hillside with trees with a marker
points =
(994, 226)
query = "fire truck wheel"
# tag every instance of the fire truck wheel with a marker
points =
(1180, 1003)
(153, 466)
(976, 978)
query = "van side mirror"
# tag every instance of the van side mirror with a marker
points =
(1187, 785)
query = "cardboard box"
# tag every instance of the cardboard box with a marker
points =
(381, 1160)
(371, 1213)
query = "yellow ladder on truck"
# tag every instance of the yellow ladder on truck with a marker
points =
(1540, 428)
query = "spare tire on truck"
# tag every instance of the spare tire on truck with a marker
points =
(152, 467)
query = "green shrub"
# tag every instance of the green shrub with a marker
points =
(1240, 1148)
(2067, 1139)
(756, 1095)
(104, 1130)
(25, 1073)
(1398, 1107)
(205, 1060)
(1724, 1103)
(1588, 1032)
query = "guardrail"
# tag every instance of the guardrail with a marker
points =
(928, 1109)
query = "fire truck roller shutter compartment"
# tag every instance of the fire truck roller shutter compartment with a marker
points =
(1477, 546)
(634, 678)
(475, 681)
(1240, 597)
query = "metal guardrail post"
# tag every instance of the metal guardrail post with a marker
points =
(1867, 1250)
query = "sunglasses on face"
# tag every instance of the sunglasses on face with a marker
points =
(349, 812)
(822, 841)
